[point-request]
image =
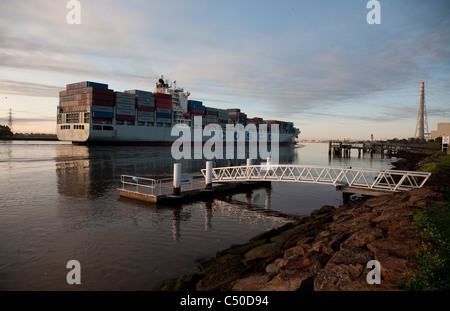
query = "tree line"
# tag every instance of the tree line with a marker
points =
(5, 131)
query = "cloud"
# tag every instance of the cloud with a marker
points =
(318, 58)
(30, 89)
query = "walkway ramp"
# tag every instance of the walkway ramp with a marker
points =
(348, 179)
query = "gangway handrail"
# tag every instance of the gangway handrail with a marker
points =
(135, 181)
(364, 178)
(155, 185)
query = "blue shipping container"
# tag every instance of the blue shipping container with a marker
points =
(102, 114)
(195, 104)
(164, 115)
(96, 84)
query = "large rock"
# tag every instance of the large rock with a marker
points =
(396, 217)
(276, 265)
(298, 263)
(326, 209)
(337, 277)
(349, 224)
(252, 283)
(396, 269)
(263, 251)
(423, 196)
(289, 281)
(295, 250)
(391, 223)
(317, 261)
(399, 247)
(362, 237)
(381, 202)
(351, 256)
(288, 234)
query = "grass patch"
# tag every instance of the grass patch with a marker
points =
(434, 263)
(438, 165)
(185, 282)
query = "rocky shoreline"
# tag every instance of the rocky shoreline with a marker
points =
(327, 251)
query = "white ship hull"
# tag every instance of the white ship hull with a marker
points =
(136, 135)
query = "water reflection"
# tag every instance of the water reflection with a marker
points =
(93, 170)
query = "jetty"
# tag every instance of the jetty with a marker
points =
(343, 149)
(215, 180)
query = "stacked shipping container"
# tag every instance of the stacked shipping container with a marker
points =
(100, 102)
(79, 97)
(125, 106)
(236, 116)
(163, 107)
(196, 108)
(211, 115)
(255, 120)
(145, 105)
(222, 116)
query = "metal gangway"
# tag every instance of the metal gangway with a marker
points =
(348, 179)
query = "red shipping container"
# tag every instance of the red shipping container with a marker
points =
(103, 102)
(162, 101)
(97, 90)
(256, 119)
(103, 96)
(198, 112)
(101, 121)
(145, 108)
(162, 96)
(121, 117)
(164, 105)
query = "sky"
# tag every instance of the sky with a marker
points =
(319, 64)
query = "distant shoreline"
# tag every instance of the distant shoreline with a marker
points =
(36, 138)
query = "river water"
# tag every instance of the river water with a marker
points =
(59, 203)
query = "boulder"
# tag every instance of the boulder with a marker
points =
(396, 269)
(326, 209)
(298, 263)
(317, 260)
(351, 256)
(289, 281)
(422, 197)
(252, 283)
(399, 247)
(295, 250)
(337, 277)
(391, 223)
(275, 266)
(362, 237)
(263, 251)
(329, 243)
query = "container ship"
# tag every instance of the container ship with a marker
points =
(91, 113)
